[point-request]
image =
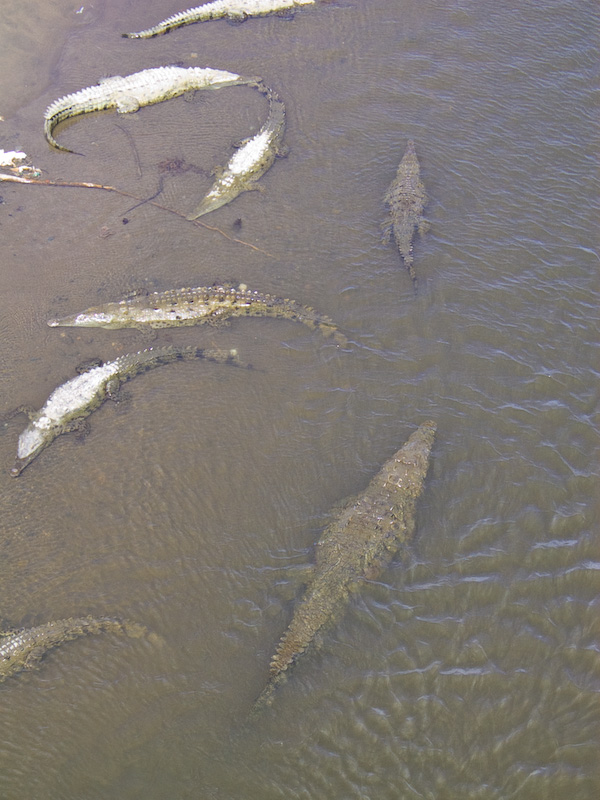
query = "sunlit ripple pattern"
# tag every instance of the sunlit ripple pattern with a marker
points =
(490, 669)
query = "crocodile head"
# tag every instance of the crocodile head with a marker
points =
(31, 441)
(223, 191)
(87, 319)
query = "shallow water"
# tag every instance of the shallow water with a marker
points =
(471, 668)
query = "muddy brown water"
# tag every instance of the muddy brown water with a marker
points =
(470, 669)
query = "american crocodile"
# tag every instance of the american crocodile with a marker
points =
(406, 199)
(235, 10)
(130, 92)
(250, 161)
(205, 304)
(359, 544)
(69, 404)
(23, 649)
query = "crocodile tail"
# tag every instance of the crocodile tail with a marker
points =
(49, 124)
(91, 625)
(153, 357)
(411, 271)
(325, 325)
(291, 645)
(265, 698)
(218, 355)
(258, 82)
(96, 625)
(275, 306)
(134, 630)
(170, 23)
(276, 104)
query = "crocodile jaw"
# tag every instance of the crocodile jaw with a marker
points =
(31, 441)
(213, 200)
(245, 167)
(89, 319)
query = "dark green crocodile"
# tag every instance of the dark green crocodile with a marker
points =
(70, 403)
(23, 649)
(250, 161)
(359, 544)
(406, 199)
(204, 304)
(236, 10)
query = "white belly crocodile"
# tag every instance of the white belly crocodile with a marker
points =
(250, 161)
(130, 92)
(73, 401)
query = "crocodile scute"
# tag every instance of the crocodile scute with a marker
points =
(358, 544)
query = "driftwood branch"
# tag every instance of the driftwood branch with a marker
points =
(86, 185)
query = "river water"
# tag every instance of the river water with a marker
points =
(471, 668)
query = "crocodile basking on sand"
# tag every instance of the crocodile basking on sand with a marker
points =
(130, 92)
(73, 401)
(406, 199)
(358, 545)
(250, 161)
(23, 649)
(234, 10)
(206, 304)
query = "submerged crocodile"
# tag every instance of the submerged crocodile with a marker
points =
(73, 401)
(406, 199)
(23, 649)
(250, 161)
(235, 10)
(213, 305)
(359, 544)
(130, 92)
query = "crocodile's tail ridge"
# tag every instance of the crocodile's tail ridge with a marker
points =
(278, 306)
(265, 698)
(75, 627)
(79, 626)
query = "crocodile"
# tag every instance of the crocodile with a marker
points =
(357, 545)
(23, 649)
(130, 92)
(250, 161)
(406, 199)
(234, 10)
(73, 401)
(213, 305)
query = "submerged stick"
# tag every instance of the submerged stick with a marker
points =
(88, 185)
